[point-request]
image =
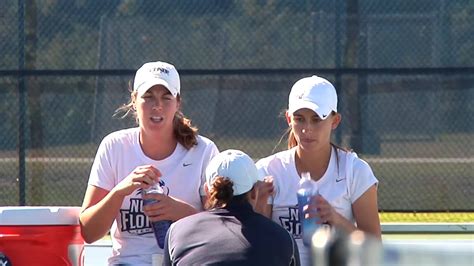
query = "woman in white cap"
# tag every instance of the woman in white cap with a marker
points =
(164, 148)
(230, 232)
(347, 186)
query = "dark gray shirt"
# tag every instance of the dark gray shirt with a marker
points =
(235, 235)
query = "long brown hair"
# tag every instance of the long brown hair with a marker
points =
(184, 131)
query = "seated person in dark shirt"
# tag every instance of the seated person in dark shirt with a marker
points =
(229, 232)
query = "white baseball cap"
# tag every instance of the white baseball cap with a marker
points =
(314, 93)
(156, 73)
(236, 166)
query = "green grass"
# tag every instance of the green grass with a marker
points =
(438, 217)
(432, 186)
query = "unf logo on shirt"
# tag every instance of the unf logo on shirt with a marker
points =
(292, 222)
(134, 220)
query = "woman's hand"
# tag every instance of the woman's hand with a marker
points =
(142, 177)
(319, 207)
(100, 206)
(166, 208)
(265, 189)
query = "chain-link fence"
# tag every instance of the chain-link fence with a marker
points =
(404, 73)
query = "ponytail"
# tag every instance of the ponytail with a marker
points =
(221, 193)
(185, 133)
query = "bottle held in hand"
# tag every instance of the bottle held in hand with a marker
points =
(159, 227)
(307, 189)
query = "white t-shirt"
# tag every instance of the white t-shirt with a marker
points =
(183, 171)
(344, 181)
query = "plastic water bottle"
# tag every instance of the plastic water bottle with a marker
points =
(160, 227)
(307, 189)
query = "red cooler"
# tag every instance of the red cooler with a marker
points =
(40, 236)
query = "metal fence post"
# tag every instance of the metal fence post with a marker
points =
(21, 105)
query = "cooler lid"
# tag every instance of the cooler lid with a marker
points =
(39, 215)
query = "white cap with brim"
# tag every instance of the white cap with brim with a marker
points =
(235, 165)
(314, 93)
(156, 73)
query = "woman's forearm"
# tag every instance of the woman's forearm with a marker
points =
(264, 209)
(97, 219)
(344, 224)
